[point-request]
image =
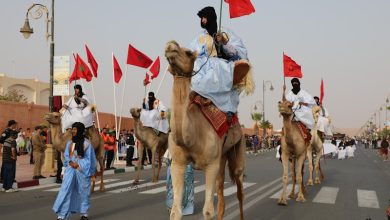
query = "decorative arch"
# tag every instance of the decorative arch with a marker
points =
(27, 91)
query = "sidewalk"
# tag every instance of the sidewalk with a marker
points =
(24, 171)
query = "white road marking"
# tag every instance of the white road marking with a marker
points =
(96, 187)
(326, 195)
(367, 199)
(136, 187)
(233, 189)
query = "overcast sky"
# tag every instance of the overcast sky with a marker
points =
(345, 42)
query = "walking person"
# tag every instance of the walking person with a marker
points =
(9, 162)
(384, 149)
(79, 166)
(4, 135)
(130, 144)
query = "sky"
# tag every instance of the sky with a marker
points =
(345, 43)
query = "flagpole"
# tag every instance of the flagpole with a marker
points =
(220, 16)
(116, 124)
(123, 94)
(162, 80)
(94, 100)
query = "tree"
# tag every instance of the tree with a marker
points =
(256, 117)
(14, 95)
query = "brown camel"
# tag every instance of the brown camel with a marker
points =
(292, 147)
(158, 144)
(316, 147)
(60, 139)
(193, 140)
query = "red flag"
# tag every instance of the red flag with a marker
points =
(92, 61)
(321, 91)
(238, 8)
(146, 80)
(155, 68)
(81, 70)
(137, 58)
(117, 69)
(291, 68)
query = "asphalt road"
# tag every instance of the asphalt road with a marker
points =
(356, 188)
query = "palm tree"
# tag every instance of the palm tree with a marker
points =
(256, 117)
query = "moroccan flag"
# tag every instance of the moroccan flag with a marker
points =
(155, 68)
(321, 91)
(137, 58)
(291, 68)
(238, 8)
(92, 61)
(117, 70)
(147, 79)
(81, 70)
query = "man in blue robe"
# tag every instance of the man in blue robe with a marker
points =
(214, 66)
(79, 165)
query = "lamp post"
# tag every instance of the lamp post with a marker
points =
(271, 88)
(387, 105)
(26, 30)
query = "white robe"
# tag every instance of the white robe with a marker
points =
(323, 122)
(77, 113)
(302, 113)
(152, 118)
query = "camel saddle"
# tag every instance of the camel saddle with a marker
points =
(304, 132)
(217, 118)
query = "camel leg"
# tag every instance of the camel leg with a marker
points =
(177, 173)
(154, 179)
(159, 155)
(139, 165)
(282, 199)
(294, 179)
(211, 173)
(301, 160)
(318, 168)
(310, 159)
(236, 164)
(220, 187)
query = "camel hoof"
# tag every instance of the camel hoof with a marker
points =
(301, 198)
(282, 202)
(135, 182)
(292, 195)
(102, 189)
(310, 183)
(317, 181)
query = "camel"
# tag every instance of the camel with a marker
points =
(292, 147)
(193, 140)
(59, 140)
(158, 144)
(316, 147)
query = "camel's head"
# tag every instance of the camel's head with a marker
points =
(181, 60)
(135, 113)
(316, 112)
(285, 108)
(54, 118)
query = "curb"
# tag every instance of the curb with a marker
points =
(50, 180)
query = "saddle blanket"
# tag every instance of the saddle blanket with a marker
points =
(217, 118)
(304, 132)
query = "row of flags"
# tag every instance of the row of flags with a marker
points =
(134, 57)
(292, 69)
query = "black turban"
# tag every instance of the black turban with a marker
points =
(78, 139)
(209, 13)
(296, 85)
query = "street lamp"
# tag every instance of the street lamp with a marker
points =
(387, 105)
(26, 30)
(271, 88)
